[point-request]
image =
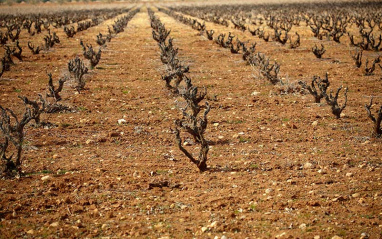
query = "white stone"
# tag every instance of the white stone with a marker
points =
(54, 224)
(45, 178)
(302, 227)
(122, 121)
(308, 165)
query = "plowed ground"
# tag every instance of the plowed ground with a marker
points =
(279, 165)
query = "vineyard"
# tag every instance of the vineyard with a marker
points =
(191, 120)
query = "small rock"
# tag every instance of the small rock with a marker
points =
(268, 190)
(317, 237)
(322, 171)
(336, 237)
(281, 235)
(183, 207)
(302, 227)
(204, 229)
(308, 165)
(213, 224)
(55, 156)
(45, 178)
(31, 231)
(89, 141)
(224, 237)
(54, 224)
(339, 199)
(355, 195)
(255, 93)
(315, 123)
(362, 201)
(159, 225)
(216, 124)
(104, 226)
(364, 235)
(122, 121)
(349, 174)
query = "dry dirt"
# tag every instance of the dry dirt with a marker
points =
(279, 165)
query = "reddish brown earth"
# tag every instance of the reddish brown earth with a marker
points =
(279, 165)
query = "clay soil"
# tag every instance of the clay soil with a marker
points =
(280, 165)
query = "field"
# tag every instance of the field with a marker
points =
(105, 161)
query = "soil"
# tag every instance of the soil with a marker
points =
(280, 165)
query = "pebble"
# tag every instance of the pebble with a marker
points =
(224, 237)
(54, 224)
(317, 237)
(308, 165)
(213, 224)
(104, 226)
(315, 123)
(302, 227)
(31, 231)
(122, 121)
(336, 237)
(364, 235)
(268, 190)
(322, 171)
(255, 93)
(281, 235)
(89, 141)
(362, 201)
(204, 229)
(355, 195)
(45, 178)
(349, 174)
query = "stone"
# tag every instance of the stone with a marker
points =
(45, 178)
(122, 121)
(213, 224)
(255, 93)
(355, 195)
(317, 237)
(302, 226)
(362, 201)
(89, 141)
(281, 235)
(204, 229)
(336, 237)
(54, 224)
(349, 174)
(104, 226)
(268, 190)
(364, 235)
(308, 165)
(31, 231)
(315, 123)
